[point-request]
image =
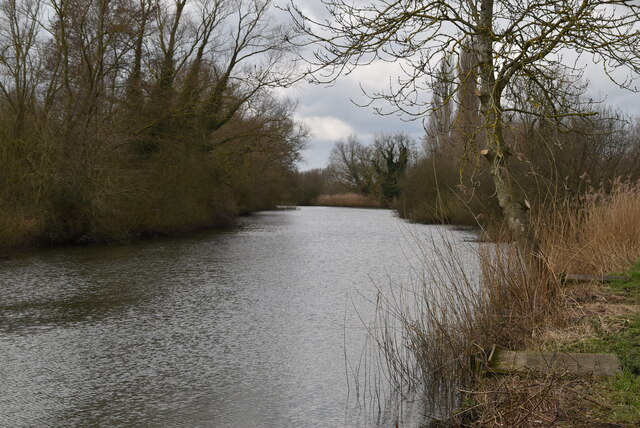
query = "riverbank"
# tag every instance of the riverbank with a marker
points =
(600, 234)
(595, 318)
(30, 242)
(15, 239)
(497, 302)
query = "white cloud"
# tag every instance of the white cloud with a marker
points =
(327, 128)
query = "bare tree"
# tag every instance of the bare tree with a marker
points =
(19, 60)
(212, 64)
(352, 165)
(531, 41)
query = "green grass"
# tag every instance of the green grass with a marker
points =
(624, 343)
(632, 288)
(623, 391)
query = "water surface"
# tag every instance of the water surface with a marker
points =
(244, 328)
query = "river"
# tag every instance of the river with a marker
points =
(259, 326)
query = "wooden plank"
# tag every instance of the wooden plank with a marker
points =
(554, 362)
(579, 277)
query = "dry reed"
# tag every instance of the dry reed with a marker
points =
(596, 233)
(431, 334)
(350, 200)
(468, 299)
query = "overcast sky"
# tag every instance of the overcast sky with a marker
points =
(330, 114)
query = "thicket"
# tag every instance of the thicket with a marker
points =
(125, 118)
(307, 186)
(552, 157)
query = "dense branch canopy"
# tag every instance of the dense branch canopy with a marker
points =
(536, 40)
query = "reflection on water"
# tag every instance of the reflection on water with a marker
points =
(244, 328)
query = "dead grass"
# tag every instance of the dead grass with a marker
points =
(591, 318)
(587, 309)
(556, 400)
(598, 233)
(464, 304)
(457, 316)
(560, 399)
(350, 200)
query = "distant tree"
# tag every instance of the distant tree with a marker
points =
(372, 170)
(391, 157)
(511, 42)
(308, 185)
(439, 125)
(351, 164)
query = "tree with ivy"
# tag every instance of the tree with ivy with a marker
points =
(391, 157)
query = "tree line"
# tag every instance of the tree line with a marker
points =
(443, 179)
(121, 118)
(558, 157)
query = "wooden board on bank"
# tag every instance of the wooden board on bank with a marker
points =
(505, 362)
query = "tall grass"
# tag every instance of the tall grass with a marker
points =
(595, 233)
(433, 335)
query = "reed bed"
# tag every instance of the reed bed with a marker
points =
(595, 233)
(349, 200)
(433, 333)
(467, 297)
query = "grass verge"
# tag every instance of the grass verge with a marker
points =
(594, 319)
(618, 334)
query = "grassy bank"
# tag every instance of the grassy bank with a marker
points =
(592, 318)
(463, 311)
(614, 319)
(597, 234)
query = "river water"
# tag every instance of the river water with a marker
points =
(259, 326)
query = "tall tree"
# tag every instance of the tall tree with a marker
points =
(19, 63)
(512, 41)
(351, 164)
(440, 121)
(390, 161)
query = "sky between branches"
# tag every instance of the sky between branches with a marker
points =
(331, 113)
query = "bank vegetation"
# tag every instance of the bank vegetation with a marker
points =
(462, 312)
(120, 119)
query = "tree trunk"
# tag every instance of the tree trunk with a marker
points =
(515, 207)
(513, 202)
